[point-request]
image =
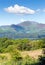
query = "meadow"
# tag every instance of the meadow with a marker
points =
(22, 51)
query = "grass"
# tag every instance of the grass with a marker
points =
(33, 53)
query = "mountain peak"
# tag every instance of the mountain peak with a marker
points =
(27, 23)
(26, 29)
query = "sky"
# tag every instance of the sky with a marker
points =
(17, 11)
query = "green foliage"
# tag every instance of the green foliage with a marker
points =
(28, 61)
(14, 48)
(16, 55)
(36, 44)
(20, 44)
(2, 57)
(24, 46)
(10, 48)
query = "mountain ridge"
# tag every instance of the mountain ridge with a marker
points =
(26, 29)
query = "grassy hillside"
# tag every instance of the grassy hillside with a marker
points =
(22, 51)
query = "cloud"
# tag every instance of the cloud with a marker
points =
(19, 10)
(38, 10)
(43, 10)
(22, 20)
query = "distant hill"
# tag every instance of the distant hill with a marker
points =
(26, 29)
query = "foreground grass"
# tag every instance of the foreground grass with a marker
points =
(25, 58)
(34, 53)
(21, 51)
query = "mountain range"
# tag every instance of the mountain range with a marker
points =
(26, 29)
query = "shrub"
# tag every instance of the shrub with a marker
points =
(16, 55)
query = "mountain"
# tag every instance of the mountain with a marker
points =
(28, 26)
(26, 29)
(17, 28)
(32, 27)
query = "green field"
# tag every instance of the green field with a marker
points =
(22, 52)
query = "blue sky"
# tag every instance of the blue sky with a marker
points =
(16, 11)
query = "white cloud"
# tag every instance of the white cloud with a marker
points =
(19, 10)
(22, 20)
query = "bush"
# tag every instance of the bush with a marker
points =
(24, 46)
(16, 55)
